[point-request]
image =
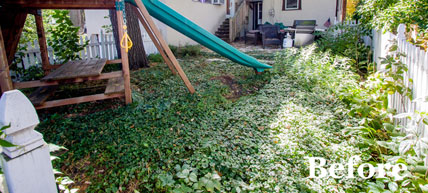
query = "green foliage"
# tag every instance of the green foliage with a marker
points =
(29, 36)
(29, 31)
(381, 141)
(169, 140)
(174, 49)
(107, 28)
(4, 143)
(189, 51)
(64, 182)
(388, 14)
(155, 58)
(346, 40)
(64, 38)
(186, 51)
(32, 73)
(309, 104)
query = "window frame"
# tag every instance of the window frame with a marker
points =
(284, 6)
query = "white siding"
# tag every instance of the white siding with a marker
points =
(319, 10)
(206, 15)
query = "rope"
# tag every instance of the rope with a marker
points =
(126, 41)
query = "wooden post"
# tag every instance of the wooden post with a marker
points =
(12, 22)
(125, 61)
(163, 43)
(155, 40)
(42, 41)
(5, 79)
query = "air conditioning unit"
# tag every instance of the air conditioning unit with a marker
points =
(218, 2)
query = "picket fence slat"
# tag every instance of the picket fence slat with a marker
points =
(416, 60)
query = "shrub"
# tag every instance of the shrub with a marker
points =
(347, 40)
(65, 40)
(155, 58)
(189, 50)
(173, 49)
(32, 73)
(186, 51)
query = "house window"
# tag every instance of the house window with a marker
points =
(218, 2)
(291, 5)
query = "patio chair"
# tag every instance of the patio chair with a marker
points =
(271, 35)
(251, 34)
(304, 34)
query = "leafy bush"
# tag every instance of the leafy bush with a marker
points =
(386, 142)
(347, 40)
(189, 50)
(32, 73)
(388, 14)
(381, 141)
(174, 49)
(64, 38)
(155, 58)
(186, 51)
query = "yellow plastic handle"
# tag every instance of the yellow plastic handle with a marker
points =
(125, 39)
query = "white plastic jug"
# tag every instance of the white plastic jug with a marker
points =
(288, 42)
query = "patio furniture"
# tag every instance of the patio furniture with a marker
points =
(252, 34)
(271, 35)
(304, 32)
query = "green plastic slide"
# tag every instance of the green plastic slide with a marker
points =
(178, 22)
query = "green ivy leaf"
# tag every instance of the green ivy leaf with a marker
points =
(193, 177)
(393, 186)
(5, 143)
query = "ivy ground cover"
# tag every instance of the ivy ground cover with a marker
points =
(240, 132)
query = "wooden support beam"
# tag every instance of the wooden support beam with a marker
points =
(77, 100)
(60, 4)
(12, 22)
(163, 43)
(40, 95)
(5, 79)
(117, 61)
(155, 40)
(42, 41)
(38, 83)
(125, 61)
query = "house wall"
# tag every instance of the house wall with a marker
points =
(94, 19)
(320, 10)
(206, 15)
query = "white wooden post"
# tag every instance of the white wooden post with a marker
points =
(401, 30)
(27, 167)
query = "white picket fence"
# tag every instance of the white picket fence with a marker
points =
(417, 62)
(347, 22)
(100, 46)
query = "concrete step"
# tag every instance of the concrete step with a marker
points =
(223, 30)
(221, 35)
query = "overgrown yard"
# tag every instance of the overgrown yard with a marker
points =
(240, 132)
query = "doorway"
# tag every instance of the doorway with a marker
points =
(257, 13)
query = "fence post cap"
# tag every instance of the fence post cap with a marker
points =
(17, 110)
(401, 30)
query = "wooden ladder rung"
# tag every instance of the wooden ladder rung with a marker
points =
(41, 94)
(115, 85)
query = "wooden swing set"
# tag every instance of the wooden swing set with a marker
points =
(14, 13)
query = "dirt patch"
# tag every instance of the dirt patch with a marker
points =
(236, 89)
